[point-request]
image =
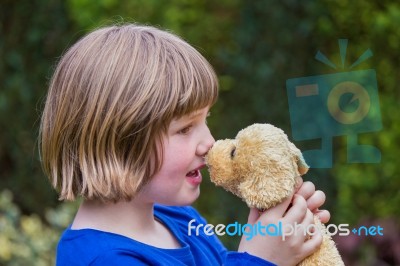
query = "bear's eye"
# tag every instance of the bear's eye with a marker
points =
(233, 152)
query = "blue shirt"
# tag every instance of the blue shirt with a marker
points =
(94, 247)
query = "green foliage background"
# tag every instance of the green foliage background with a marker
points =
(255, 46)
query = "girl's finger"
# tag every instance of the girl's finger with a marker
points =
(323, 215)
(253, 216)
(306, 190)
(278, 211)
(297, 211)
(316, 200)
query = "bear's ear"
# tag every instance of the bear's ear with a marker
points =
(301, 163)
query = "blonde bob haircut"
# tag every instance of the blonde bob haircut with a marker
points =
(111, 98)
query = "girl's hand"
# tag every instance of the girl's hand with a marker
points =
(294, 247)
(314, 199)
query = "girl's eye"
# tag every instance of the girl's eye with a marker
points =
(185, 130)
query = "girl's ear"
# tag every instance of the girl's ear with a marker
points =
(301, 163)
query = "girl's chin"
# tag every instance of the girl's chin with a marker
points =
(183, 200)
(190, 199)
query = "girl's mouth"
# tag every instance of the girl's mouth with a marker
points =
(194, 177)
(193, 173)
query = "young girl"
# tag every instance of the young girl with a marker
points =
(124, 127)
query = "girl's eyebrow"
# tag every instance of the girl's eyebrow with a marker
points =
(194, 114)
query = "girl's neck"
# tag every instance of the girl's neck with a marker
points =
(109, 216)
(132, 219)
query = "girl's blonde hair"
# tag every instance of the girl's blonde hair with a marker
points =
(110, 100)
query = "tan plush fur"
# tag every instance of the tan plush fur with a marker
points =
(260, 166)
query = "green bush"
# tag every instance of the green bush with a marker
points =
(27, 239)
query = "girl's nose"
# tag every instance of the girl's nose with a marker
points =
(205, 144)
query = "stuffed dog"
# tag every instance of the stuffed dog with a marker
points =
(260, 166)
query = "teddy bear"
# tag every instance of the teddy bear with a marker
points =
(260, 166)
